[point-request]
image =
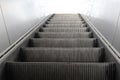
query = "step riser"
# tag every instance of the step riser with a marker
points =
(66, 25)
(62, 55)
(60, 71)
(63, 35)
(71, 16)
(64, 30)
(63, 43)
(64, 22)
(65, 18)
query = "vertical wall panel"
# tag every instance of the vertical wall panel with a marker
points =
(4, 41)
(116, 40)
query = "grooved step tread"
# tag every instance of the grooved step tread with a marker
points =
(53, 42)
(60, 71)
(64, 34)
(66, 25)
(65, 22)
(62, 54)
(63, 50)
(65, 18)
(61, 29)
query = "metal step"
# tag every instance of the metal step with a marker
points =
(63, 29)
(60, 71)
(64, 34)
(62, 54)
(52, 42)
(66, 25)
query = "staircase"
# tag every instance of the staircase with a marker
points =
(63, 49)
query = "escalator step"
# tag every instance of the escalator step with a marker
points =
(66, 25)
(62, 54)
(64, 34)
(52, 42)
(59, 71)
(66, 18)
(63, 29)
(65, 22)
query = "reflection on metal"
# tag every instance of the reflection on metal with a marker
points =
(5, 24)
(4, 41)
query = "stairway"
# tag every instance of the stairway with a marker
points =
(63, 49)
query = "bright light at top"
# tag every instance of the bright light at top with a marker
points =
(60, 6)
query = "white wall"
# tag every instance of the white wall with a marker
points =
(105, 15)
(4, 41)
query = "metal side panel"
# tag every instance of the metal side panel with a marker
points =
(116, 40)
(4, 41)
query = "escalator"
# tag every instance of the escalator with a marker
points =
(64, 48)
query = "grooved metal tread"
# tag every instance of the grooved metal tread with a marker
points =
(65, 25)
(62, 54)
(61, 29)
(65, 18)
(65, 22)
(60, 71)
(64, 34)
(62, 42)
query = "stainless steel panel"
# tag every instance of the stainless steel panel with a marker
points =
(116, 40)
(4, 41)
